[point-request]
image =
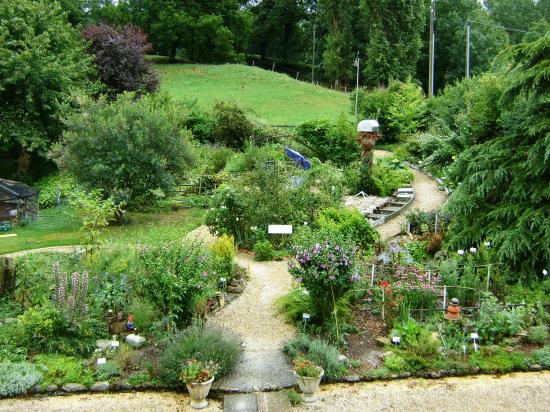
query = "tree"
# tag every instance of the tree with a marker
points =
(514, 14)
(43, 64)
(120, 59)
(132, 150)
(504, 193)
(394, 39)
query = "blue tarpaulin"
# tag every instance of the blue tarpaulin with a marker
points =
(302, 161)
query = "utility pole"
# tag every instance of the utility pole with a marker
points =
(468, 49)
(356, 64)
(313, 58)
(432, 51)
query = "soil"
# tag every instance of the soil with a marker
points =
(362, 345)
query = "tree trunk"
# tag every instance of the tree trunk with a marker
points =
(24, 162)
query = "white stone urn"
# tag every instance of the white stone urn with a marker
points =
(309, 386)
(198, 393)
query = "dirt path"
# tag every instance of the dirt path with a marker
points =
(515, 392)
(55, 249)
(428, 198)
(253, 316)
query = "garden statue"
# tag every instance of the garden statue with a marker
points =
(453, 311)
(367, 137)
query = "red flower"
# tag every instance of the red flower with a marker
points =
(385, 283)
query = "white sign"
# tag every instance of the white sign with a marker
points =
(474, 336)
(101, 361)
(396, 340)
(305, 316)
(115, 344)
(279, 229)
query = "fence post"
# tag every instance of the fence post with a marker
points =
(372, 275)
(435, 225)
(273, 67)
(252, 62)
(488, 276)
(444, 296)
(429, 276)
(383, 308)
(297, 74)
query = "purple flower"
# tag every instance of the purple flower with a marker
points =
(323, 266)
(299, 280)
(331, 277)
(355, 277)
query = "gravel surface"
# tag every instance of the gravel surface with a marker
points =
(428, 198)
(264, 332)
(58, 249)
(365, 204)
(119, 402)
(516, 392)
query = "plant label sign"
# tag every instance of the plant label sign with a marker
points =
(101, 361)
(474, 336)
(115, 344)
(279, 229)
(306, 316)
(396, 340)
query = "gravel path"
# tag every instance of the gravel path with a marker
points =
(516, 392)
(428, 198)
(58, 249)
(253, 316)
(119, 402)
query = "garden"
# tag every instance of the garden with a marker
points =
(183, 211)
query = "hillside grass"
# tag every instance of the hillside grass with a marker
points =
(58, 227)
(270, 97)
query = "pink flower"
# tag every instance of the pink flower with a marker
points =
(331, 277)
(204, 274)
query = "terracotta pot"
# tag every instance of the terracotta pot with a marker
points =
(309, 386)
(198, 393)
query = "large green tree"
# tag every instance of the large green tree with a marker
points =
(505, 190)
(394, 39)
(43, 64)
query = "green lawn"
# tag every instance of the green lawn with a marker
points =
(270, 97)
(57, 227)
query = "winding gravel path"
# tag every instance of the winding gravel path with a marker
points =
(264, 332)
(428, 198)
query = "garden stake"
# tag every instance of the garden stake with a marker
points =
(372, 275)
(488, 276)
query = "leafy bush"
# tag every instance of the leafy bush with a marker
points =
(351, 224)
(396, 363)
(542, 356)
(538, 334)
(326, 140)
(59, 370)
(17, 378)
(200, 342)
(327, 270)
(263, 250)
(107, 370)
(232, 128)
(496, 359)
(400, 108)
(55, 189)
(120, 58)
(174, 276)
(145, 314)
(496, 322)
(319, 352)
(133, 150)
(113, 292)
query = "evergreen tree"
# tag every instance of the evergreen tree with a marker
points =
(394, 39)
(505, 190)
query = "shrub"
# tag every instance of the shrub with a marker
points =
(120, 58)
(496, 359)
(351, 224)
(327, 271)
(542, 356)
(400, 108)
(59, 370)
(232, 128)
(396, 363)
(17, 378)
(175, 276)
(263, 250)
(496, 322)
(294, 304)
(145, 315)
(200, 342)
(133, 150)
(538, 334)
(319, 352)
(55, 189)
(108, 370)
(113, 292)
(223, 252)
(326, 140)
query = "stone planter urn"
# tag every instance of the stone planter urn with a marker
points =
(309, 386)
(198, 393)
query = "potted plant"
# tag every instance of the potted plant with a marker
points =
(198, 377)
(309, 377)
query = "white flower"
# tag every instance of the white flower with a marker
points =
(473, 250)
(488, 244)
(237, 219)
(460, 252)
(545, 272)
(305, 223)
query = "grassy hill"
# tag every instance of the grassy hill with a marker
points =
(270, 97)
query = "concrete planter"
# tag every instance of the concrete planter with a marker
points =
(309, 386)
(198, 393)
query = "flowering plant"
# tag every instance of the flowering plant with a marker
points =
(305, 367)
(195, 371)
(327, 270)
